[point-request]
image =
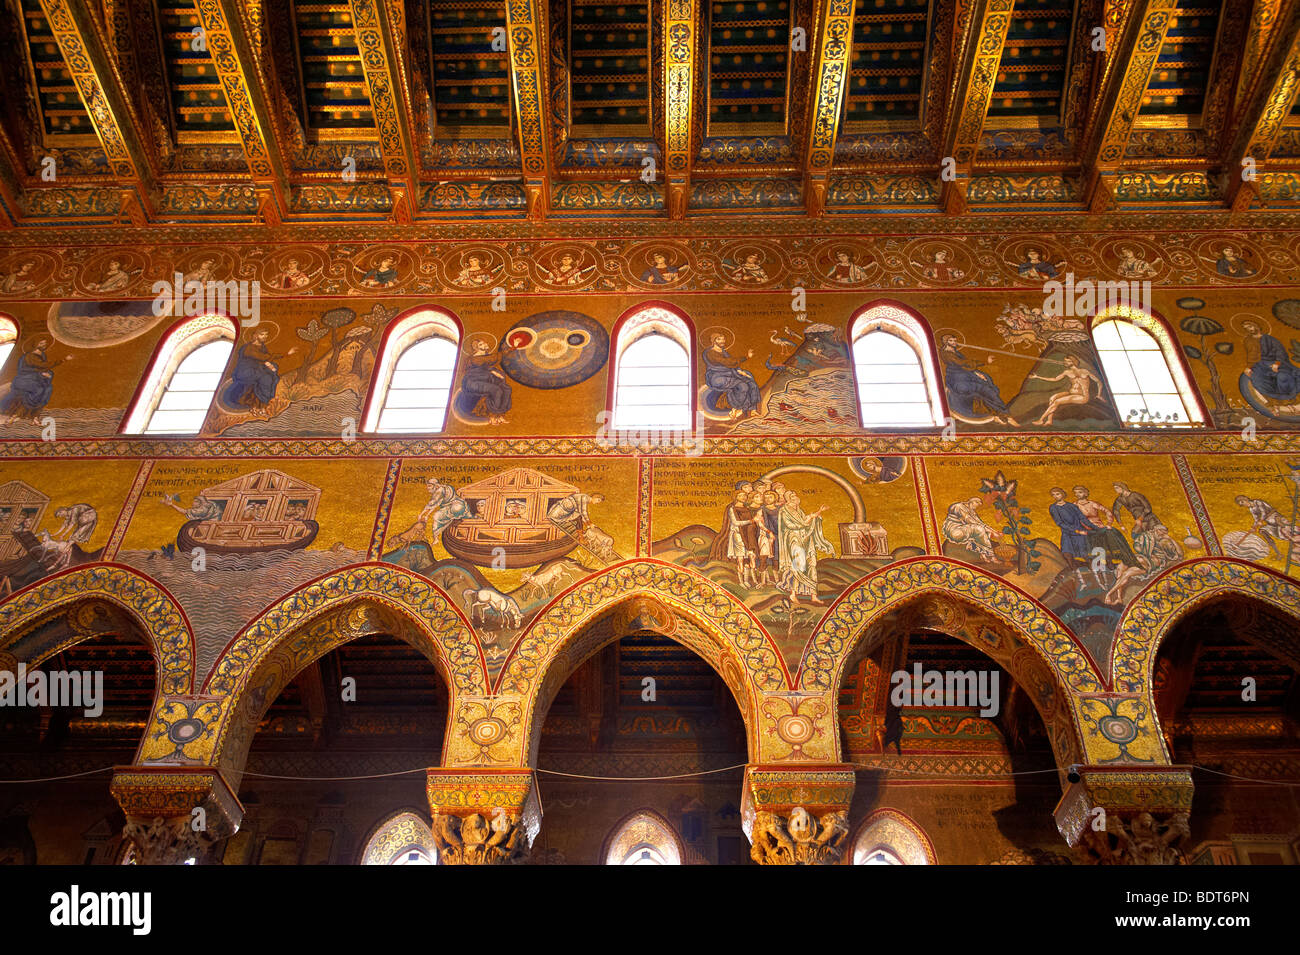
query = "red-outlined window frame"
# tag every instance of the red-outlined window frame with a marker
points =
(9, 335)
(615, 351)
(393, 344)
(926, 353)
(1170, 350)
(167, 357)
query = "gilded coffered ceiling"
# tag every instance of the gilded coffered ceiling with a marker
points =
(401, 111)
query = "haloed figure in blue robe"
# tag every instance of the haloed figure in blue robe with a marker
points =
(969, 388)
(32, 385)
(1075, 529)
(256, 376)
(723, 374)
(484, 388)
(1271, 371)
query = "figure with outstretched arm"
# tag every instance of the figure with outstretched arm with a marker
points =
(32, 385)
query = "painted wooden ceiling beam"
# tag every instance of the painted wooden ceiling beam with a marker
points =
(833, 23)
(981, 54)
(381, 37)
(682, 43)
(84, 47)
(1272, 96)
(230, 40)
(10, 183)
(1111, 125)
(526, 33)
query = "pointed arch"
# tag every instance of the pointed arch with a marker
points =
(1179, 592)
(643, 837)
(158, 615)
(392, 839)
(1003, 622)
(1145, 371)
(652, 370)
(896, 833)
(183, 376)
(307, 623)
(644, 594)
(894, 367)
(411, 386)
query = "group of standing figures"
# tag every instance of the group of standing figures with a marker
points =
(772, 540)
(1091, 537)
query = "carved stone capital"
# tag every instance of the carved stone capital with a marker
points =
(797, 815)
(166, 841)
(799, 837)
(1127, 816)
(175, 813)
(483, 817)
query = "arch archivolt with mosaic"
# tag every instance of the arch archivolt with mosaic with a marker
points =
(1170, 598)
(383, 584)
(682, 590)
(298, 629)
(1021, 634)
(159, 616)
(883, 591)
(639, 611)
(684, 605)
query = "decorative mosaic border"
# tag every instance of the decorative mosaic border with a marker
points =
(1007, 443)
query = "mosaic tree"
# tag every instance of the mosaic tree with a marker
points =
(1001, 493)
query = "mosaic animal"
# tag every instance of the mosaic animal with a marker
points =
(488, 599)
(542, 581)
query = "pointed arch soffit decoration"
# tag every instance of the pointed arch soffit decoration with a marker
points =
(896, 833)
(679, 588)
(642, 829)
(159, 616)
(402, 831)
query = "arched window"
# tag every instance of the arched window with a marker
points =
(1146, 377)
(413, 856)
(880, 856)
(8, 338)
(894, 369)
(652, 372)
(183, 377)
(414, 373)
(888, 837)
(404, 838)
(643, 838)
